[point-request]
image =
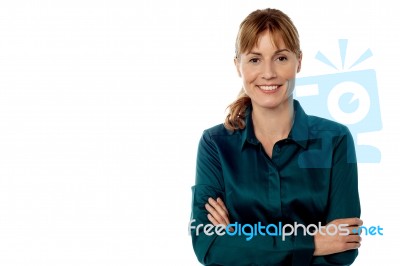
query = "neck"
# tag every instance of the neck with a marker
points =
(274, 124)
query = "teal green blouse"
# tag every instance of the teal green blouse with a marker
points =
(311, 178)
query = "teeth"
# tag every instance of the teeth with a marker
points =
(268, 88)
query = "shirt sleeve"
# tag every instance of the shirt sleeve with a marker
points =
(236, 250)
(344, 199)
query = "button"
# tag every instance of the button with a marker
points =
(277, 149)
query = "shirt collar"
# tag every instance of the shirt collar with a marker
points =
(298, 133)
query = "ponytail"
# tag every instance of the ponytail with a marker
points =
(236, 117)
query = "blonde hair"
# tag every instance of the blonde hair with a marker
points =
(279, 25)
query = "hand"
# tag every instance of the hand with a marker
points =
(217, 212)
(326, 244)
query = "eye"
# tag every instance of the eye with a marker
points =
(254, 60)
(282, 58)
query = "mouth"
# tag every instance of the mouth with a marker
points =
(269, 88)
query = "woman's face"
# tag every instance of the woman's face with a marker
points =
(268, 72)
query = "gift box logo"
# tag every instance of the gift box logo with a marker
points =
(350, 98)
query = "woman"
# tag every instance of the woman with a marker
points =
(272, 164)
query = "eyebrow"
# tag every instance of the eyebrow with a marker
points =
(276, 52)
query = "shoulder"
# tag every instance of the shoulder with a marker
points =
(218, 131)
(220, 136)
(318, 125)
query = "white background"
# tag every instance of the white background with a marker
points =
(102, 104)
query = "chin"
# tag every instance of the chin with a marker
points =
(271, 104)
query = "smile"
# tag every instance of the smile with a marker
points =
(271, 88)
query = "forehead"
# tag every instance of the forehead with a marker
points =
(268, 40)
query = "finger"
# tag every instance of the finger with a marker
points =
(355, 221)
(355, 230)
(222, 213)
(222, 204)
(353, 239)
(215, 214)
(212, 220)
(349, 221)
(354, 245)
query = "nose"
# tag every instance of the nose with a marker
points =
(268, 71)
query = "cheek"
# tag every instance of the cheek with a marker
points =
(248, 75)
(289, 73)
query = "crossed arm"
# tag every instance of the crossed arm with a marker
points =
(325, 244)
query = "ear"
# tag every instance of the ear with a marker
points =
(300, 58)
(237, 64)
